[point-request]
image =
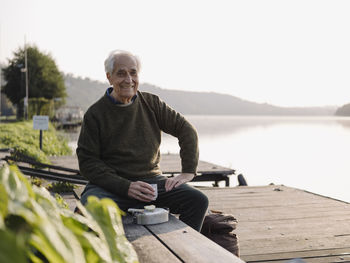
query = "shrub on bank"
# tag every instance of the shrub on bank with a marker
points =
(35, 228)
(61, 187)
(24, 140)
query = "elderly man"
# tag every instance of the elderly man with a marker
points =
(118, 147)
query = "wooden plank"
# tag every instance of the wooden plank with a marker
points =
(148, 248)
(171, 163)
(66, 161)
(307, 255)
(78, 191)
(190, 245)
(328, 259)
(274, 220)
(285, 244)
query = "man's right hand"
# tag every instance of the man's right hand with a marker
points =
(141, 191)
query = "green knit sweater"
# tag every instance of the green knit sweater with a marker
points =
(119, 144)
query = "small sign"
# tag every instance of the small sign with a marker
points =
(40, 122)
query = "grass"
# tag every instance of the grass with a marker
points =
(24, 140)
(8, 118)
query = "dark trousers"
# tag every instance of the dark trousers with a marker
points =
(190, 203)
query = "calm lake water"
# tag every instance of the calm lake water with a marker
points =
(309, 153)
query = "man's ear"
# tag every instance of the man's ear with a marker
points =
(108, 75)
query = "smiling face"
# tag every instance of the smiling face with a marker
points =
(124, 78)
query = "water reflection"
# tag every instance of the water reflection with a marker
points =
(309, 153)
(304, 152)
(221, 125)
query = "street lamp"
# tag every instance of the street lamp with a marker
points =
(0, 85)
(25, 70)
(25, 101)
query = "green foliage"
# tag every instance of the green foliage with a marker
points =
(60, 201)
(25, 140)
(40, 106)
(44, 78)
(36, 181)
(34, 227)
(11, 247)
(61, 187)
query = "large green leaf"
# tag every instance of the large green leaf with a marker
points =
(55, 241)
(11, 249)
(3, 203)
(108, 216)
(41, 230)
(94, 249)
(16, 185)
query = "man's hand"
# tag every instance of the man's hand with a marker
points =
(141, 191)
(178, 180)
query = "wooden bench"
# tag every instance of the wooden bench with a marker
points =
(173, 241)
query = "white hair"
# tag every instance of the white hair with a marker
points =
(110, 60)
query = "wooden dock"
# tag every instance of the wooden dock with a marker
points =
(279, 223)
(170, 165)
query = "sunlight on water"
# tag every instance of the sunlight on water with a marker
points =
(309, 153)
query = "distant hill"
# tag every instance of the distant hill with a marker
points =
(343, 110)
(211, 103)
(83, 92)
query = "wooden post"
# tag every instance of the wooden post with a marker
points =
(41, 139)
(40, 123)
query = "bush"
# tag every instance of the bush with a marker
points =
(25, 141)
(34, 227)
(40, 106)
(61, 187)
(36, 181)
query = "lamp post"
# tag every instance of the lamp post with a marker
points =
(26, 72)
(0, 90)
(0, 76)
(25, 102)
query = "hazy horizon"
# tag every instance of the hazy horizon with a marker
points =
(284, 53)
(152, 84)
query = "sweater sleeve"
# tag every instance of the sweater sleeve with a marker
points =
(90, 163)
(175, 124)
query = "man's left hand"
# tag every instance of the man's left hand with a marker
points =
(178, 180)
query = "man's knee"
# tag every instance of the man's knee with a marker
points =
(94, 190)
(196, 209)
(199, 200)
(202, 199)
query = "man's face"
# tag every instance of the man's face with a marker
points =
(124, 78)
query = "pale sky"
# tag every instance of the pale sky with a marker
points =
(287, 53)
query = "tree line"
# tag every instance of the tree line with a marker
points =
(47, 90)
